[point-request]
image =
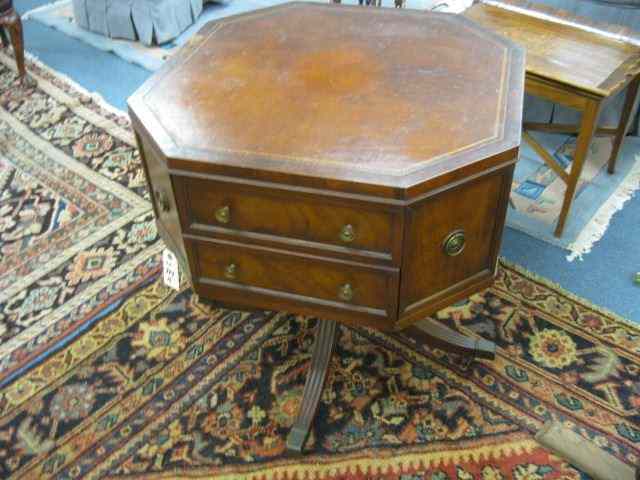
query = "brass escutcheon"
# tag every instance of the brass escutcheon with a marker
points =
(347, 233)
(346, 292)
(223, 214)
(230, 271)
(454, 243)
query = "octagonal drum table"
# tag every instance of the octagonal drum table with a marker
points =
(351, 164)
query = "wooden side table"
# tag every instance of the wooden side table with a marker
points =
(575, 64)
(302, 158)
(10, 20)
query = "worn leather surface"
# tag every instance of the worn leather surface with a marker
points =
(381, 91)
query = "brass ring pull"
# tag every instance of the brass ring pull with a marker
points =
(454, 243)
(346, 292)
(162, 201)
(223, 214)
(347, 233)
(230, 271)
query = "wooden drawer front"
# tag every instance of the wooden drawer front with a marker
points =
(477, 210)
(262, 211)
(308, 279)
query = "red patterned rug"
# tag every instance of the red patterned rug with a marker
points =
(167, 387)
(159, 385)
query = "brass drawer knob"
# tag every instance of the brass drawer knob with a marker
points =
(162, 201)
(346, 292)
(347, 233)
(223, 214)
(454, 243)
(230, 271)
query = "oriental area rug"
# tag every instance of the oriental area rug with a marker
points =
(76, 232)
(106, 373)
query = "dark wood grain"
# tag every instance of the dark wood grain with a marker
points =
(318, 368)
(428, 270)
(269, 212)
(304, 276)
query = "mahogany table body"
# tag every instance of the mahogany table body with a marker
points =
(351, 164)
(578, 65)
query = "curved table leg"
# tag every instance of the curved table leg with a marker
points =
(438, 335)
(322, 350)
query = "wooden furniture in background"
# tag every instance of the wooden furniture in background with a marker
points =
(334, 161)
(574, 64)
(10, 20)
(375, 3)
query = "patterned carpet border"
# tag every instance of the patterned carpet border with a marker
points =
(76, 226)
(545, 282)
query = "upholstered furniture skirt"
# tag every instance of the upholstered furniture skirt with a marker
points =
(149, 21)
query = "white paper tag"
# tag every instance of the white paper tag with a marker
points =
(170, 271)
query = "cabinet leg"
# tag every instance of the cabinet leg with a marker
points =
(322, 350)
(434, 333)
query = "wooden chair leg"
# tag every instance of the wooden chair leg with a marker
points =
(626, 118)
(587, 129)
(322, 351)
(10, 22)
(17, 40)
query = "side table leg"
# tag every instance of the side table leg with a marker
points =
(626, 118)
(434, 333)
(322, 350)
(587, 127)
